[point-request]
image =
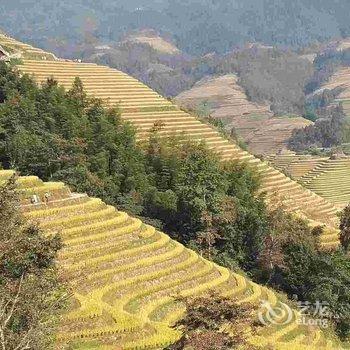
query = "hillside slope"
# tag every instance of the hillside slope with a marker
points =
(296, 166)
(254, 122)
(340, 79)
(124, 275)
(152, 39)
(143, 107)
(330, 179)
(20, 50)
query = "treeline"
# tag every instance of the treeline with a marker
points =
(326, 64)
(199, 27)
(331, 129)
(181, 187)
(271, 75)
(168, 74)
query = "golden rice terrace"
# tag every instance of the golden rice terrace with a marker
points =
(125, 274)
(328, 177)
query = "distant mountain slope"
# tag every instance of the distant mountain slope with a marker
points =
(224, 96)
(147, 56)
(154, 40)
(226, 99)
(333, 72)
(341, 80)
(273, 134)
(199, 27)
(18, 49)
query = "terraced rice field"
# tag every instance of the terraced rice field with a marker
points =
(302, 167)
(340, 79)
(282, 161)
(331, 180)
(125, 274)
(24, 50)
(254, 122)
(144, 107)
(273, 134)
(296, 166)
(31, 185)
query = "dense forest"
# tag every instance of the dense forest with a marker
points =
(198, 27)
(182, 188)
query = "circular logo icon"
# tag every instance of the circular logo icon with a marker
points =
(279, 314)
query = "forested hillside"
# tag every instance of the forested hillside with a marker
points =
(198, 27)
(184, 188)
(128, 221)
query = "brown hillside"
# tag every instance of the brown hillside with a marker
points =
(272, 135)
(263, 133)
(341, 78)
(154, 40)
(18, 49)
